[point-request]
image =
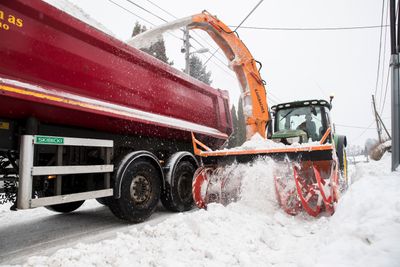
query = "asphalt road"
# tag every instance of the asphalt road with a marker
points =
(40, 232)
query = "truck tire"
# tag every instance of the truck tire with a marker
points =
(65, 207)
(140, 190)
(103, 200)
(177, 194)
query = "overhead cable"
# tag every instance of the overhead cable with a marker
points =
(384, 59)
(312, 29)
(142, 8)
(237, 27)
(380, 48)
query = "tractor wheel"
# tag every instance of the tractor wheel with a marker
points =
(341, 154)
(177, 195)
(140, 190)
(65, 207)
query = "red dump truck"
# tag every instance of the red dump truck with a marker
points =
(84, 115)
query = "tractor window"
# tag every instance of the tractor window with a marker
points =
(307, 118)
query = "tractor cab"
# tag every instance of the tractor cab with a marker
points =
(300, 121)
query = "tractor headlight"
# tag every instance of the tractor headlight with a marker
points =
(292, 140)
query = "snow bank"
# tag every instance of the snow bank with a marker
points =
(364, 231)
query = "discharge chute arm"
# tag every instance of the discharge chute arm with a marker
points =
(241, 62)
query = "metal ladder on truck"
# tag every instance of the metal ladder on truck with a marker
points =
(27, 170)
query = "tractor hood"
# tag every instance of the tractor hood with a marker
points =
(290, 136)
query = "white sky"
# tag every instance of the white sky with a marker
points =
(297, 65)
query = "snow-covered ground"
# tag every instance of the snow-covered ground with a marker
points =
(364, 231)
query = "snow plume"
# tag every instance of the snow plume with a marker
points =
(147, 38)
(78, 13)
(256, 184)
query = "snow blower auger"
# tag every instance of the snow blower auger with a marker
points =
(309, 173)
(310, 183)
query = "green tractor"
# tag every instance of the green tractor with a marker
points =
(307, 122)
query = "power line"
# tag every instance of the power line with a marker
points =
(221, 68)
(271, 94)
(312, 29)
(388, 74)
(162, 9)
(380, 48)
(248, 15)
(366, 129)
(198, 42)
(384, 58)
(384, 98)
(142, 8)
(355, 127)
(159, 17)
(145, 20)
(208, 43)
(237, 27)
(175, 17)
(127, 10)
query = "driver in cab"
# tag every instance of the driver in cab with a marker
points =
(309, 127)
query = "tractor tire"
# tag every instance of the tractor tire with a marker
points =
(65, 207)
(177, 194)
(341, 154)
(140, 190)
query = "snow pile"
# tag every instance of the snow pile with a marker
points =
(257, 142)
(78, 13)
(367, 220)
(364, 231)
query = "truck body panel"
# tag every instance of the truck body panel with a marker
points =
(61, 71)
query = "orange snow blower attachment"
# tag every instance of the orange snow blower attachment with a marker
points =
(307, 173)
(305, 176)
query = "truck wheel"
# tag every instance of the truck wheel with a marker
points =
(65, 207)
(140, 190)
(177, 194)
(103, 200)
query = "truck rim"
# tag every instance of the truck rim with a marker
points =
(140, 189)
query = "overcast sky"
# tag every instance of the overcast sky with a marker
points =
(297, 65)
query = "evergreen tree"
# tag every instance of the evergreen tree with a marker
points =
(137, 29)
(232, 142)
(157, 49)
(241, 131)
(198, 70)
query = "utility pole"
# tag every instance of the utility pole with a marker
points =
(187, 50)
(378, 126)
(394, 67)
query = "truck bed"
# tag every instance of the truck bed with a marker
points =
(62, 71)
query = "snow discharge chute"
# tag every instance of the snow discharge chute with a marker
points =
(311, 161)
(240, 58)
